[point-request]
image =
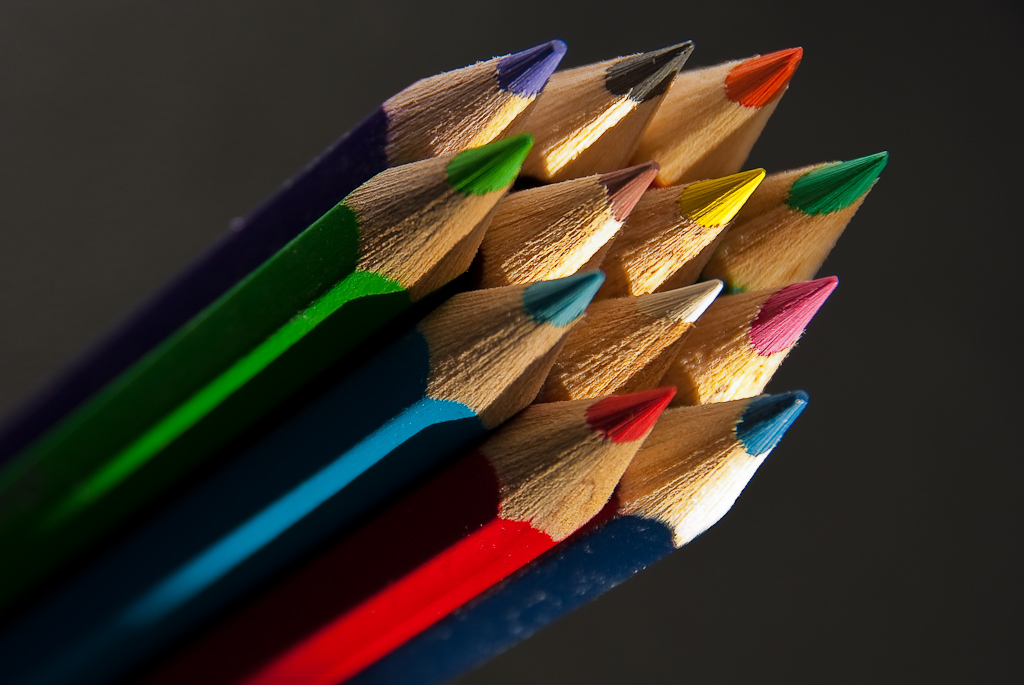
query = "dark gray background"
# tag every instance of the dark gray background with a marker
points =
(881, 541)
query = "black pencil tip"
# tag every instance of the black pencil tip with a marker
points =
(647, 75)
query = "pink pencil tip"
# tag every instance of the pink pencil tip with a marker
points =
(625, 418)
(785, 315)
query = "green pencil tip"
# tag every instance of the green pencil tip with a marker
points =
(561, 301)
(836, 186)
(491, 167)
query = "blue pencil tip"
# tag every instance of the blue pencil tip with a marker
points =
(767, 418)
(560, 302)
(525, 73)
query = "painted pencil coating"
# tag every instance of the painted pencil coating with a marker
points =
(469, 366)
(552, 472)
(743, 341)
(711, 118)
(667, 238)
(589, 119)
(790, 224)
(685, 478)
(417, 123)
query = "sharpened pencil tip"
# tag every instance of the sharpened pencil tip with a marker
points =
(489, 168)
(625, 418)
(714, 203)
(682, 304)
(767, 418)
(526, 73)
(759, 80)
(625, 187)
(833, 187)
(647, 75)
(561, 301)
(785, 315)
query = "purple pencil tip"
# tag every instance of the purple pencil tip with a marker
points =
(525, 73)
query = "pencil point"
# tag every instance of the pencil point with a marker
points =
(647, 75)
(526, 73)
(759, 80)
(682, 305)
(767, 418)
(489, 168)
(625, 418)
(625, 187)
(561, 301)
(714, 203)
(834, 187)
(785, 315)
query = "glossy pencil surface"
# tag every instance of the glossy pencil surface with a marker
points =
(589, 119)
(744, 340)
(685, 478)
(415, 124)
(791, 222)
(711, 117)
(469, 366)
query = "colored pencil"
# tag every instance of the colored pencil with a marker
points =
(588, 120)
(440, 115)
(711, 118)
(532, 484)
(742, 341)
(665, 241)
(626, 344)
(466, 368)
(557, 230)
(684, 480)
(405, 232)
(792, 221)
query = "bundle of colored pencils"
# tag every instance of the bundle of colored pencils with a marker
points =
(496, 350)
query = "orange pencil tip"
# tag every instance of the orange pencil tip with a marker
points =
(760, 80)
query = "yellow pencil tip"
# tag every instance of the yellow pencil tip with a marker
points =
(715, 202)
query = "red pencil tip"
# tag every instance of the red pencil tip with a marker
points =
(785, 315)
(625, 187)
(759, 80)
(625, 418)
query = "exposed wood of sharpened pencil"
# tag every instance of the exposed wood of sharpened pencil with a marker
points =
(588, 120)
(405, 232)
(440, 115)
(467, 367)
(789, 225)
(742, 340)
(685, 478)
(670, 233)
(535, 482)
(626, 344)
(560, 229)
(711, 118)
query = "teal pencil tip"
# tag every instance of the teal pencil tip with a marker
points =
(561, 301)
(767, 418)
(836, 186)
(489, 168)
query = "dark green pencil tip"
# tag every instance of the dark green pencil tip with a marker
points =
(836, 186)
(491, 167)
(648, 75)
(559, 302)
(767, 418)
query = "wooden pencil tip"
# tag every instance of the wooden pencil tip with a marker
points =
(766, 419)
(625, 418)
(526, 73)
(785, 315)
(759, 80)
(625, 187)
(833, 187)
(715, 202)
(647, 75)
(489, 168)
(561, 301)
(682, 305)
